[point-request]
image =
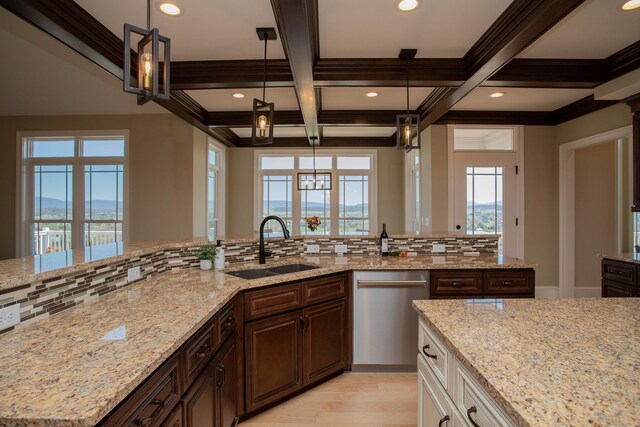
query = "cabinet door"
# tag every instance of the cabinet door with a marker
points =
(175, 419)
(273, 358)
(325, 339)
(434, 410)
(200, 400)
(618, 290)
(226, 383)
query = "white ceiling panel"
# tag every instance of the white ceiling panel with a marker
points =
(389, 98)
(41, 76)
(594, 30)
(376, 29)
(356, 131)
(223, 100)
(519, 99)
(278, 132)
(207, 29)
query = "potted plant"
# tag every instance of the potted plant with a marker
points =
(206, 254)
(313, 222)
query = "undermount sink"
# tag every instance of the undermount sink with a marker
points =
(258, 273)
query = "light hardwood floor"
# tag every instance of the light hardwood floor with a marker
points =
(352, 399)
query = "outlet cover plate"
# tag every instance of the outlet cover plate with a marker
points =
(9, 316)
(340, 249)
(438, 249)
(313, 249)
(133, 274)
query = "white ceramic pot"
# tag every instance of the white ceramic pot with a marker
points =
(205, 264)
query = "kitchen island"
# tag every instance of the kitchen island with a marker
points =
(531, 362)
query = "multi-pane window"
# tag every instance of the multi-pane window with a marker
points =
(344, 209)
(73, 192)
(213, 168)
(484, 200)
(412, 204)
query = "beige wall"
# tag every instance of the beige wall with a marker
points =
(595, 217)
(604, 120)
(160, 163)
(240, 173)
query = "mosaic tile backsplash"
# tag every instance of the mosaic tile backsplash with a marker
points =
(43, 298)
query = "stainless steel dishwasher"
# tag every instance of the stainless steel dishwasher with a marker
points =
(385, 326)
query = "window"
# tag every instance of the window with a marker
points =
(345, 209)
(413, 214)
(215, 191)
(484, 200)
(484, 139)
(72, 191)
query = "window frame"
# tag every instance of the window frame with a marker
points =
(220, 191)
(335, 174)
(25, 189)
(413, 200)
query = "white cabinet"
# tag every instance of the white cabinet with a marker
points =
(448, 396)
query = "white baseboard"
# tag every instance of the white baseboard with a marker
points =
(584, 292)
(547, 292)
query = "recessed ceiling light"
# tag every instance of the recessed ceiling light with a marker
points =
(171, 9)
(372, 94)
(497, 94)
(238, 95)
(407, 5)
(628, 5)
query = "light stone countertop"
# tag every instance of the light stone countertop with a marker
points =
(75, 367)
(626, 257)
(562, 362)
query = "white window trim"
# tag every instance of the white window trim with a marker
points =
(410, 192)
(518, 149)
(221, 179)
(335, 195)
(24, 189)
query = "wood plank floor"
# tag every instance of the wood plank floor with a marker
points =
(352, 399)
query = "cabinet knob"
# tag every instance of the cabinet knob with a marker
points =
(424, 350)
(470, 411)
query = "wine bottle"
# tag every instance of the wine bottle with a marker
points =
(384, 241)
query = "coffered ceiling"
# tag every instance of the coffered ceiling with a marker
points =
(546, 56)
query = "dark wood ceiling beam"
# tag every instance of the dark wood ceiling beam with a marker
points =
(70, 24)
(243, 119)
(333, 118)
(623, 61)
(579, 108)
(517, 27)
(333, 142)
(528, 118)
(298, 25)
(230, 74)
(549, 73)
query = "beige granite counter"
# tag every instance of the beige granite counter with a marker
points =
(564, 362)
(626, 257)
(73, 368)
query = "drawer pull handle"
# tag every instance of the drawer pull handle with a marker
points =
(443, 420)
(204, 352)
(230, 320)
(424, 350)
(508, 283)
(470, 411)
(457, 284)
(147, 421)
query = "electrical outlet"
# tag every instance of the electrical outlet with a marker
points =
(313, 249)
(133, 274)
(9, 316)
(438, 248)
(340, 249)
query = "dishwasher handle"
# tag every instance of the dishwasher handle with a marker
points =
(390, 283)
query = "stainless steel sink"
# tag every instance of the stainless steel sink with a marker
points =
(258, 273)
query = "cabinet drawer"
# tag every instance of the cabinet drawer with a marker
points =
(266, 302)
(508, 282)
(619, 271)
(197, 351)
(324, 289)
(613, 289)
(433, 352)
(464, 283)
(226, 322)
(152, 403)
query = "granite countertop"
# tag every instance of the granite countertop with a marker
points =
(548, 362)
(98, 352)
(626, 257)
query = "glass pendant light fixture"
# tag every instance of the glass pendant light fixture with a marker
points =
(262, 127)
(314, 180)
(148, 61)
(407, 125)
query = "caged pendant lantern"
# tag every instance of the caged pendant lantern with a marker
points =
(148, 60)
(407, 125)
(314, 181)
(262, 125)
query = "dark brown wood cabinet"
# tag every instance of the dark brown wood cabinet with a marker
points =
(497, 283)
(620, 279)
(175, 418)
(227, 384)
(200, 400)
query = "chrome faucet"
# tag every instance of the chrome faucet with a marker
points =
(262, 255)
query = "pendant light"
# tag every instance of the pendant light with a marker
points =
(407, 125)
(148, 60)
(262, 127)
(315, 180)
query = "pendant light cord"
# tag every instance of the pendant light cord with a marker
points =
(407, 71)
(148, 15)
(264, 82)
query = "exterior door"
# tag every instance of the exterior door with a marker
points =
(485, 197)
